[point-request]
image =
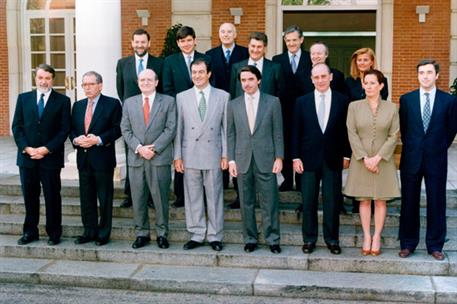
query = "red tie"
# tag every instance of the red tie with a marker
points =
(146, 110)
(88, 118)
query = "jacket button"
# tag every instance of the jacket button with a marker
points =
(196, 139)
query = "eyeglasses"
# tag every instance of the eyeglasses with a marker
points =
(88, 84)
(146, 80)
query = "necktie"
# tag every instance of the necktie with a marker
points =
(40, 105)
(251, 113)
(293, 64)
(140, 66)
(202, 106)
(321, 112)
(146, 111)
(427, 112)
(88, 117)
(189, 61)
(227, 56)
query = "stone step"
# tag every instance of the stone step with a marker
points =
(350, 235)
(274, 283)
(232, 255)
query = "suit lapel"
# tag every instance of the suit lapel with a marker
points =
(156, 105)
(332, 113)
(261, 109)
(312, 110)
(436, 105)
(132, 67)
(266, 74)
(97, 112)
(211, 105)
(416, 109)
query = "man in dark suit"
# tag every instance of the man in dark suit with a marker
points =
(94, 129)
(319, 147)
(40, 127)
(222, 59)
(127, 71)
(428, 127)
(176, 78)
(296, 67)
(255, 153)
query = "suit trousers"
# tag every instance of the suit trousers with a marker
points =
(331, 191)
(31, 189)
(196, 184)
(155, 180)
(92, 185)
(265, 184)
(435, 189)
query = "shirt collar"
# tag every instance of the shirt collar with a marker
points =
(145, 57)
(224, 49)
(432, 91)
(256, 95)
(151, 97)
(298, 54)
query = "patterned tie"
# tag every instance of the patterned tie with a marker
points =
(227, 56)
(293, 64)
(189, 61)
(146, 111)
(251, 113)
(202, 106)
(140, 66)
(321, 112)
(427, 112)
(88, 117)
(40, 105)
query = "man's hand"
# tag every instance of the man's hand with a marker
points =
(233, 170)
(179, 165)
(146, 152)
(87, 141)
(224, 163)
(298, 166)
(346, 163)
(277, 166)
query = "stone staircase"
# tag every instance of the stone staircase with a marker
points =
(231, 272)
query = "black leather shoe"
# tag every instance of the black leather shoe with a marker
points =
(178, 204)
(275, 248)
(250, 247)
(216, 245)
(191, 245)
(83, 239)
(405, 252)
(235, 204)
(101, 242)
(334, 248)
(141, 241)
(308, 247)
(437, 255)
(162, 242)
(127, 203)
(27, 238)
(53, 242)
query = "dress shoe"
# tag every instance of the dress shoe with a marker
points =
(191, 245)
(53, 241)
(275, 248)
(27, 238)
(141, 241)
(162, 242)
(334, 248)
(178, 204)
(308, 247)
(83, 239)
(235, 204)
(250, 247)
(101, 242)
(216, 245)
(127, 203)
(404, 253)
(438, 255)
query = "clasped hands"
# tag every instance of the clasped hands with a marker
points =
(179, 164)
(277, 167)
(36, 153)
(86, 141)
(371, 163)
(147, 152)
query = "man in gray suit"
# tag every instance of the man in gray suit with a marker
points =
(201, 153)
(149, 126)
(256, 150)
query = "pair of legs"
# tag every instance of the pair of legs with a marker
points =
(372, 243)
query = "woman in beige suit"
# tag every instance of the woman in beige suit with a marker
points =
(373, 127)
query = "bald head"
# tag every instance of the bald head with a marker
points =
(227, 34)
(147, 81)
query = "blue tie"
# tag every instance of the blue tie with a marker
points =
(293, 64)
(140, 66)
(41, 105)
(427, 112)
(227, 56)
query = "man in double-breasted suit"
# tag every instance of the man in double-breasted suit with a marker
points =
(149, 126)
(428, 127)
(176, 78)
(127, 71)
(201, 154)
(40, 127)
(255, 151)
(319, 147)
(95, 127)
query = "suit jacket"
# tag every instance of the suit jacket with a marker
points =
(160, 131)
(50, 131)
(176, 75)
(106, 124)
(201, 144)
(310, 144)
(431, 146)
(355, 90)
(272, 82)
(127, 79)
(221, 69)
(265, 144)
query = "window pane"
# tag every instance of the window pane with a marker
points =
(58, 61)
(38, 59)
(62, 4)
(61, 91)
(59, 80)
(57, 43)
(37, 26)
(56, 26)
(37, 43)
(36, 4)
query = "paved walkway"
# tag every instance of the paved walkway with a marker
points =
(8, 166)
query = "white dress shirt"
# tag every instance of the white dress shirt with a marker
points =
(258, 64)
(422, 99)
(328, 103)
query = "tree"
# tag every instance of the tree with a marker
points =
(169, 45)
